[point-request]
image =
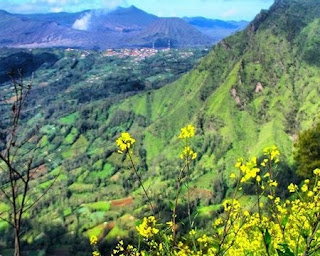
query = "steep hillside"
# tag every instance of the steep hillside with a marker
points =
(251, 84)
(256, 88)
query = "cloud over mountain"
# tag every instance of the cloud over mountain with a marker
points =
(83, 23)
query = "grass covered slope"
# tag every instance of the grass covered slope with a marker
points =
(254, 89)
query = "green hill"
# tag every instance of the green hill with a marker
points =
(256, 88)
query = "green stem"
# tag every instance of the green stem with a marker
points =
(140, 182)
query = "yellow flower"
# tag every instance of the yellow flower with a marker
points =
(192, 232)
(93, 240)
(187, 132)
(96, 253)
(266, 175)
(239, 162)
(292, 188)
(188, 154)
(265, 161)
(231, 204)
(317, 172)
(147, 227)
(233, 176)
(204, 240)
(258, 178)
(218, 222)
(170, 224)
(304, 188)
(249, 170)
(125, 142)
(310, 194)
(273, 152)
(277, 200)
(246, 213)
(273, 183)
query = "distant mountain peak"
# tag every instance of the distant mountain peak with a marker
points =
(126, 10)
(174, 30)
(122, 27)
(133, 7)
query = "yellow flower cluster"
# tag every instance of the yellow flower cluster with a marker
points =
(96, 253)
(269, 226)
(291, 228)
(317, 172)
(93, 243)
(248, 169)
(188, 154)
(231, 205)
(273, 153)
(93, 240)
(187, 132)
(148, 227)
(130, 250)
(125, 142)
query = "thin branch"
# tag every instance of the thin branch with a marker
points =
(311, 237)
(6, 195)
(43, 194)
(9, 222)
(140, 181)
(11, 168)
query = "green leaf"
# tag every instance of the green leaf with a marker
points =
(267, 238)
(171, 204)
(285, 221)
(285, 250)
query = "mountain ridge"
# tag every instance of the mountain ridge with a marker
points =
(173, 31)
(97, 29)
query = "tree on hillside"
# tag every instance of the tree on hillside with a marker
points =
(307, 151)
(17, 167)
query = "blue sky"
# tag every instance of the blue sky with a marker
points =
(218, 9)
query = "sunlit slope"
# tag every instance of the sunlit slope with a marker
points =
(256, 88)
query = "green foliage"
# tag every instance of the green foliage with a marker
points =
(307, 151)
(79, 147)
(99, 206)
(81, 104)
(70, 119)
(70, 139)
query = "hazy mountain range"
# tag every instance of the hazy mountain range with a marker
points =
(98, 29)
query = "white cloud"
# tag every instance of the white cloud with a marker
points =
(229, 13)
(56, 9)
(82, 23)
(43, 6)
(112, 4)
